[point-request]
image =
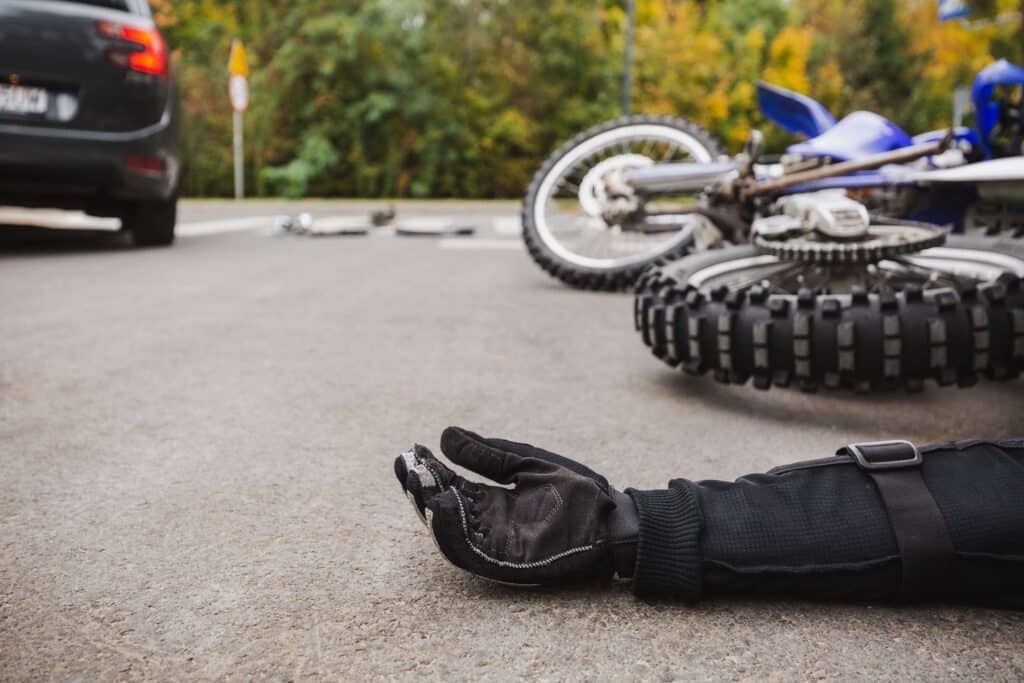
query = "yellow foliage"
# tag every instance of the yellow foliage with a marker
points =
(787, 58)
(753, 41)
(827, 84)
(744, 96)
(717, 105)
(163, 13)
(954, 52)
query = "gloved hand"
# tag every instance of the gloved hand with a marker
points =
(561, 521)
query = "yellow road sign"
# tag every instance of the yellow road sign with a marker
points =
(238, 65)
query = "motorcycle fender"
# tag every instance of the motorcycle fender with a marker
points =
(1008, 170)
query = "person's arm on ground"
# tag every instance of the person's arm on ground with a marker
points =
(875, 523)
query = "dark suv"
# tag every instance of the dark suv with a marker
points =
(88, 117)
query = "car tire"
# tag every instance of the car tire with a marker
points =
(151, 223)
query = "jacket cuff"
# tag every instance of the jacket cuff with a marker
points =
(668, 555)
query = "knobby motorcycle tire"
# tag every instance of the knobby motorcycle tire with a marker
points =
(611, 279)
(856, 341)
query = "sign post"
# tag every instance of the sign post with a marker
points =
(627, 67)
(238, 91)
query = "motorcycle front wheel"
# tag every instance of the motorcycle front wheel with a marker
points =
(564, 215)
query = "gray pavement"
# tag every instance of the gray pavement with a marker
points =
(196, 448)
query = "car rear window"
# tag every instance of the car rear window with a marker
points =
(138, 7)
(124, 5)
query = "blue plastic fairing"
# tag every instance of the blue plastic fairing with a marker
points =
(987, 111)
(860, 134)
(792, 111)
(960, 133)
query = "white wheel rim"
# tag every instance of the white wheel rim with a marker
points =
(985, 266)
(545, 193)
(968, 262)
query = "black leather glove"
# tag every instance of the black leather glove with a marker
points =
(560, 521)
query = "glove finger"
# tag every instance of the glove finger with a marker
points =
(502, 460)
(525, 450)
(472, 451)
(402, 466)
(422, 476)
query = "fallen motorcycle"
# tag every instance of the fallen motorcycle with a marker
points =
(594, 215)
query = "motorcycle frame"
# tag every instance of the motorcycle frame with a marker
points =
(729, 200)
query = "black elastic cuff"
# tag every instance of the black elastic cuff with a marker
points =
(668, 557)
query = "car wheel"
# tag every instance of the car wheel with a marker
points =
(151, 223)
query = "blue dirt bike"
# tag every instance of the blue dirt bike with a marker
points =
(642, 189)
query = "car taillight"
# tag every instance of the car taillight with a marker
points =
(144, 49)
(146, 165)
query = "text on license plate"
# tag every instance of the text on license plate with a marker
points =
(18, 99)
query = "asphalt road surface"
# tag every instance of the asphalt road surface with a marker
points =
(196, 479)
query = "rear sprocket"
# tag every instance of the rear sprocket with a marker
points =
(881, 241)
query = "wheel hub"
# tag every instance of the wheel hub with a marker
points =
(600, 195)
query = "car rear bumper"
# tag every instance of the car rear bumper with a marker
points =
(88, 170)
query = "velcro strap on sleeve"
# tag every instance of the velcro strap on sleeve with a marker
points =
(926, 548)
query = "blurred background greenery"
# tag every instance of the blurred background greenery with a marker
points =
(464, 98)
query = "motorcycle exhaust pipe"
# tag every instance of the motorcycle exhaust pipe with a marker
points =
(678, 177)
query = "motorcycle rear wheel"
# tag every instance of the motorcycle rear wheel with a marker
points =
(713, 312)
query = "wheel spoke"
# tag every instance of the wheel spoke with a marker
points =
(772, 276)
(669, 155)
(648, 147)
(934, 275)
(573, 188)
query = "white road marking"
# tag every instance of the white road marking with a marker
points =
(341, 223)
(223, 225)
(425, 223)
(53, 218)
(507, 226)
(501, 226)
(480, 244)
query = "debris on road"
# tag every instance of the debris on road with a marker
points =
(451, 231)
(384, 221)
(335, 226)
(381, 219)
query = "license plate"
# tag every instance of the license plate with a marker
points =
(22, 100)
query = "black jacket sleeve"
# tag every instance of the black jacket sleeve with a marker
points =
(821, 530)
